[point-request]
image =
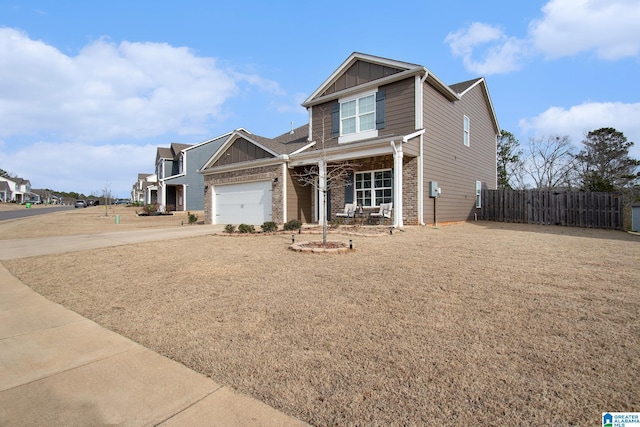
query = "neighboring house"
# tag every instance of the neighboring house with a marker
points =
(180, 186)
(15, 189)
(399, 123)
(5, 191)
(44, 196)
(141, 187)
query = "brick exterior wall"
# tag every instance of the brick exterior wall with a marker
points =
(264, 173)
(410, 191)
(409, 185)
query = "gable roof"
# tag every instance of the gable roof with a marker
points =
(464, 87)
(163, 153)
(402, 71)
(278, 147)
(172, 152)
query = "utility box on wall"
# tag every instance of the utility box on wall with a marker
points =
(433, 189)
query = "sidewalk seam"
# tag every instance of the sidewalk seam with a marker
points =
(138, 347)
(48, 327)
(191, 405)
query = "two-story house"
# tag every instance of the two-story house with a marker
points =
(409, 136)
(180, 186)
(141, 189)
(15, 189)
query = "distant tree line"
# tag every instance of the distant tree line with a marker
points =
(553, 162)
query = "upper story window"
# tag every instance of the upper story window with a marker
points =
(181, 164)
(359, 116)
(466, 126)
(160, 169)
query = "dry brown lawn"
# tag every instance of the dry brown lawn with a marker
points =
(93, 219)
(471, 324)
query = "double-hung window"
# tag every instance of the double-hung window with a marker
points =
(374, 187)
(478, 194)
(358, 117)
(466, 129)
(181, 164)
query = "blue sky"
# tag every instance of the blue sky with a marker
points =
(89, 90)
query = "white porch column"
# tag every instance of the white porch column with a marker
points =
(322, 191)
(397, 184)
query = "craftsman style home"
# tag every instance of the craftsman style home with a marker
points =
(414, 143)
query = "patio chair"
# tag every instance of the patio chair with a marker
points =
(383, 214)
(349, 212)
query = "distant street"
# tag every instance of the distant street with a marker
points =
(23, 213)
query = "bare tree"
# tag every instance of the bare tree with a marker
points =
(106, 195)
(550, 163)
(335, 176)
(323, 177)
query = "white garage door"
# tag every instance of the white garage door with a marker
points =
(246, 203)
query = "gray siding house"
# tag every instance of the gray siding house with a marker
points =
(180, 185)
(404, 130)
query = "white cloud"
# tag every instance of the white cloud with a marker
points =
(502, 54)
(132, 90)
(577, 120)
(608, 27)
(81, 167)
(294, 105)
(568, 27)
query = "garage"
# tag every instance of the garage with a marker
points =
(246, 203)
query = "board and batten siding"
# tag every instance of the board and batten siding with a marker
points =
(448, 161)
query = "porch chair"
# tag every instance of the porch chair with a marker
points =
(383, 213)
(349, 212)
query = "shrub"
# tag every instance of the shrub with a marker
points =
(269, 227)
(151, 208)
(193, 218)
(294, 224)
(246, 228)
(229, 228)
(335, 223)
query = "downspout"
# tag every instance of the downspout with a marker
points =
(310, 136)
(397, 184)
(420, 125)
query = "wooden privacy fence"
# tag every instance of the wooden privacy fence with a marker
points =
(570, 208)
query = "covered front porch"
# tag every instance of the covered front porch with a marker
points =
(381, 173)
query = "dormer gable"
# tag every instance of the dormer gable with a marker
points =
(241, 146)
(242, 150)
(361, 71)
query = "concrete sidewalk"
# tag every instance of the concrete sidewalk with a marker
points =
(58, 368)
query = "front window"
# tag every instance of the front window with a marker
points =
(358, 117)
(374, 187)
